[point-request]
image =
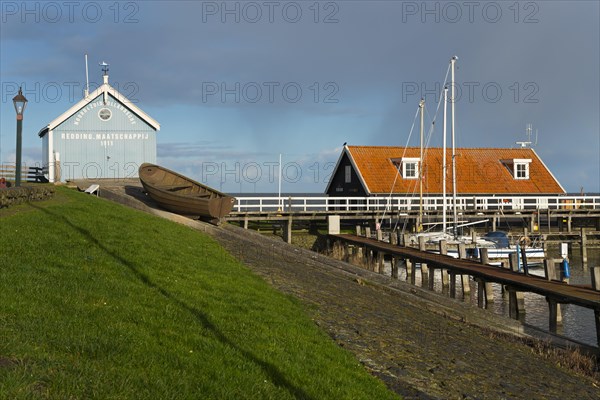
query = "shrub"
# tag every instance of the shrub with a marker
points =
(17, 195)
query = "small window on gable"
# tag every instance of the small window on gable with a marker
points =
(408, 167)
(521, 171)
(518, 167)
(348, 173)
(410, 170)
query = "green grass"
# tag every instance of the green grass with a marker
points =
(98, 301)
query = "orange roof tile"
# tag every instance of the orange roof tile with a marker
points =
(478, 171)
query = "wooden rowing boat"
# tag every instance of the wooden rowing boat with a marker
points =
(183, 195)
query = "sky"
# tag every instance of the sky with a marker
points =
(236, 84)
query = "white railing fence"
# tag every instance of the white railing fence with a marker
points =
(411, 204)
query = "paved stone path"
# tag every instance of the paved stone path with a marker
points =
(418, 353)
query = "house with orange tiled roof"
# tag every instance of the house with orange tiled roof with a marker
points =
(381, 170)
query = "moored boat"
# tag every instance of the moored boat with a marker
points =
(182, 195)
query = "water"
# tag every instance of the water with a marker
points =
(578, 322)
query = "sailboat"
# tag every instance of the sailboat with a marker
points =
(497, 243)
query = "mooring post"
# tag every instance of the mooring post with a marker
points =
(424, 275)
(380, 262)
(516, 300)
(532, 224)
(452, 284)
(494, 223)
(584, 257)
(395, 261)
(431, 279)
(569, 226)
(371, 260)
(422, 243)
(553, 314)
(358, 231)
(379, 235)
(245, 221)
(504, 265)
(554, 309)
(405, 240)
(550, 269)
(393, 239)
(359, 258)
(483, 254)
(409, 270)
(462, 251)
(595, 271)
(399, 238)
(513, 259)
(488, 291)
(444, 250)
(480, 293)
(544, 244)
(462, 254)
(288, 235)
(368, 232)
(443, 247)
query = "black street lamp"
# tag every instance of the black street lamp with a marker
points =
(20, 102)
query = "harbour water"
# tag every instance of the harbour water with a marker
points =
(578, 322)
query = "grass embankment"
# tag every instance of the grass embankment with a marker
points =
(100, 301)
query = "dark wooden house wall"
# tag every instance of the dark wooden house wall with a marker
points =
(339, 187)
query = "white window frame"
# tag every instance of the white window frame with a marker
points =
(521, 168)
(413, 162)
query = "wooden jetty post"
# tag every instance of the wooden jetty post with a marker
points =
(359, 257)
(584, 257)
(409, 270)
(516, 300)
(395, 261)
(405, 240)
(379, 235)
(485, 294)
(462, 254)
(425, 275)
(380, 262)
(424, 268)
(554, 308)
(288, 231)
(367, 232)
(393, 239)
(422, 243)
(444, 251)
(452, 284)
(358, 231)
(246, 221)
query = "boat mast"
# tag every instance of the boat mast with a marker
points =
(279, 201)
(444, 166)
(453, 99)
(420, 166)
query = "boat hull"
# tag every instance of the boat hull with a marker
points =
(182, 195)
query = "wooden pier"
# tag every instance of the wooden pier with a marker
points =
(372, 253)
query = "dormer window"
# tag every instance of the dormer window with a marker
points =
(518, 167)
(409, 167)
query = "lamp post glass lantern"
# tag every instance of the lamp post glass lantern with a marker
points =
(20, 102)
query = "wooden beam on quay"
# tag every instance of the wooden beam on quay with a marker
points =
(555, 291)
